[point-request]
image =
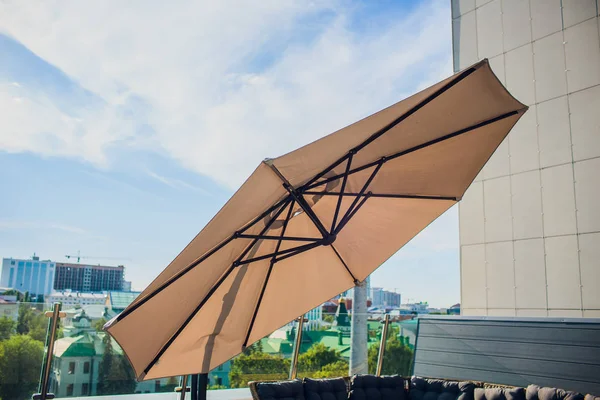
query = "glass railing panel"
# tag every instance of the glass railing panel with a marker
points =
(87, 362)
(399, 348)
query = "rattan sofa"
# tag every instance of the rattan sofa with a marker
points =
(369, 387)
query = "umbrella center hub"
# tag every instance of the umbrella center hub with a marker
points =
(329, 239)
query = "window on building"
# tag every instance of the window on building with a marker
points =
(71, 368)
(220, 368)
(219, 381)
(70, 389)
(86, 367)
(85, 389)
(157, 386)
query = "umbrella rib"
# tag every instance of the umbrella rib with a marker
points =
(415, 148)
(298, 251)
(184, 271)
(264, 286)
(395, 122)
(386, 195)
(290, 238)
(356, 281)
(349, 216)
(275, 254)
(211, 292)
(341, 194)
(346, 216)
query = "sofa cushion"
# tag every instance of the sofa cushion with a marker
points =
(325, 389)
(369, 387)
(437, 389)
(500, 394)
(534, 392)
(285, 390)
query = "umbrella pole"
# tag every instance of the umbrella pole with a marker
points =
(384, 331)
(294, 366)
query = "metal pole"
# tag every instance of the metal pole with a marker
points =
(194, 387)
(294, 366)
(384, 331)
(47, 366)
(183, 387)
(202, 386)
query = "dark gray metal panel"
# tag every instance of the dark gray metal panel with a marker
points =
(561, 353)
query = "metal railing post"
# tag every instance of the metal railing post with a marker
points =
(384, 331)
(294, 366)
(49, 353)
(183, 388)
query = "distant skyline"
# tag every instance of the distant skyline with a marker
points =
(125, 127)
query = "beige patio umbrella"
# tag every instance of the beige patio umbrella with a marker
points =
(312, 223)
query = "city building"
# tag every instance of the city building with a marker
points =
(126, 286)
(385, 298)
(9, 307)
(530, 222)
(88, 278)
(28, 275)
(454, 310)
(315, 318)
(76, 364)
(70, 298)
(118, 301)
(416, 308)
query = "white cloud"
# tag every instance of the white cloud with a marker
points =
(177, 183)
(7, 225)
(188, 72)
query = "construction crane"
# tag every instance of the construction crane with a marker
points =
(79, 257)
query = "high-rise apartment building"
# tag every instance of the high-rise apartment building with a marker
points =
(385, 298)
(88, 278)
(32, 275)
(530, 223)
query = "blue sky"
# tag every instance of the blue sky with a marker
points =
(125, 128)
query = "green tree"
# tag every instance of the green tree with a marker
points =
(333, 370)
(256, 347)
(257, 366)
(20, 365)
(7, 328)
(105, 366)
(98, 325)
(397, 358)
(115, 375)
(170, 386)
(317, 357)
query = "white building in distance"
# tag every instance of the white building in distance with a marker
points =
(32, 275)
(71, 299)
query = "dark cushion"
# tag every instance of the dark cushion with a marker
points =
(437, 389)
(285, 390)
(500, 394)
(369, 387)
(325, 389)
(534, 392)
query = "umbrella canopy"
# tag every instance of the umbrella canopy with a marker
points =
(314, 222)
